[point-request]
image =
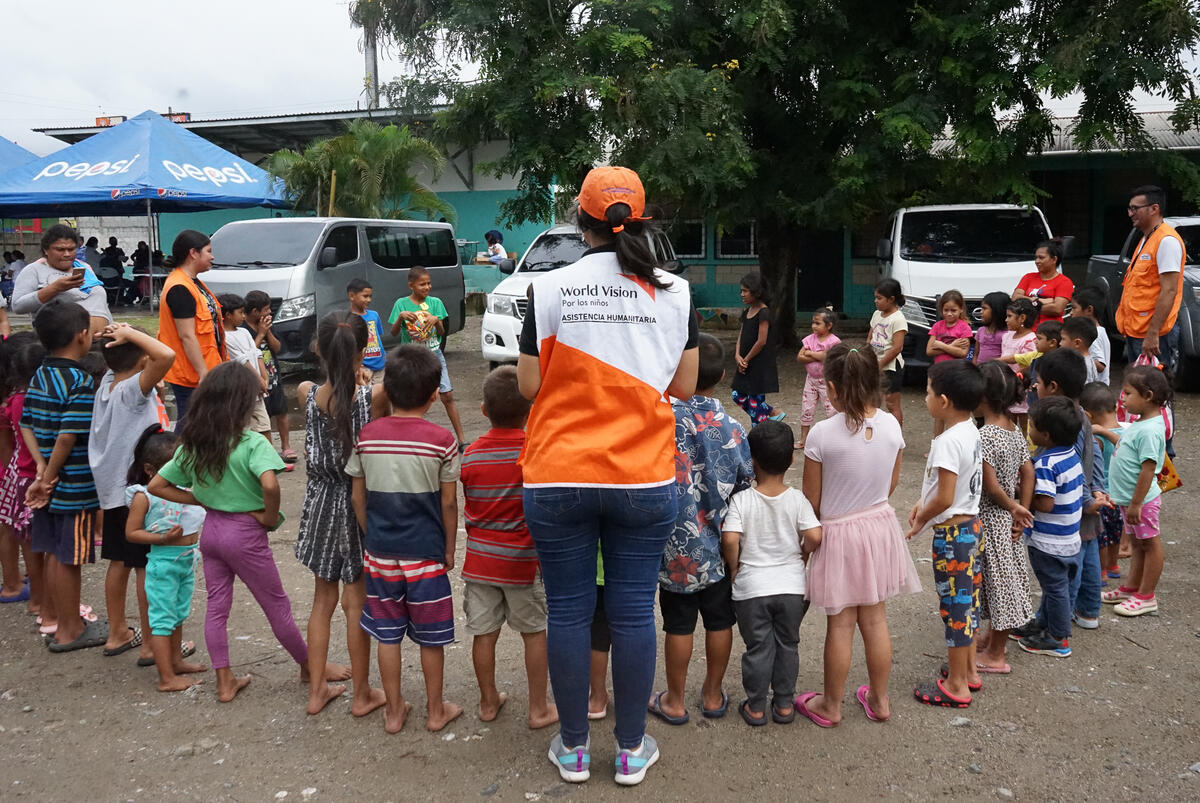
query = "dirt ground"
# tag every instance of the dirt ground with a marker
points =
(1116, 720)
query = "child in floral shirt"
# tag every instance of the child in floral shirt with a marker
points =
(712, 462)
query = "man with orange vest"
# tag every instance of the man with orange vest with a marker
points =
(1153, 284)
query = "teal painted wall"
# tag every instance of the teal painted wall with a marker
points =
(477, 213)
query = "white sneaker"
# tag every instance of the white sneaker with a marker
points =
(1086, 622)
(632, 764)
(574, 763)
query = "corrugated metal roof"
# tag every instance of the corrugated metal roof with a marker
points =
(1157, 125)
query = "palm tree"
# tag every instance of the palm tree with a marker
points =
(374, 165)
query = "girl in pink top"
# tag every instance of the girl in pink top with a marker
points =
(1019, 339)
(23, 354)
(812, 357)
(990, 335)
(949, 338)
(851, 467)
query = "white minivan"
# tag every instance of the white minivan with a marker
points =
(305, 263)
(552, 249)
(972, 248)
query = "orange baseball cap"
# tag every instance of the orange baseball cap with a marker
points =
(605, 186)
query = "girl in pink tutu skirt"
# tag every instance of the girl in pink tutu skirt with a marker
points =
(851, 467)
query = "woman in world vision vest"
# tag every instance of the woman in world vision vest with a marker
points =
(189, 318)
(1153, 284)
(603, 341)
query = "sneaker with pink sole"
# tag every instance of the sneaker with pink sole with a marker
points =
(1136, 606)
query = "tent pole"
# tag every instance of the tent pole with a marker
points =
(150, 259)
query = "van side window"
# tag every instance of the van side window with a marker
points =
(404, 247)
(345, 240)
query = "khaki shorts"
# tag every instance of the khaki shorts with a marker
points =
(259, 420)
(487, 607)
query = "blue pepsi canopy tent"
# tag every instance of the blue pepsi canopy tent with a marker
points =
(146, 164)
(13, 155)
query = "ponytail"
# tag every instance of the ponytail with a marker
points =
(854, 373)
(629, 238)
(341, 338)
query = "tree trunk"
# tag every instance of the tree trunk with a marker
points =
(780, 246)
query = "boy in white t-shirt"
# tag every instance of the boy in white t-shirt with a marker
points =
(950, 503)
(768, 533)
(241, 347)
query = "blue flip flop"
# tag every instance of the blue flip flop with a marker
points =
(716, 713)
(656, 709)
(20, 596)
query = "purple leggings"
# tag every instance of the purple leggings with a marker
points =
(235, 545)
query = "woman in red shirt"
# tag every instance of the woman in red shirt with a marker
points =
(1048, 289)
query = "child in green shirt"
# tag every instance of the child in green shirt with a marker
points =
(421, 318)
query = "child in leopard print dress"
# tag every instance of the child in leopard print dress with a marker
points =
(1004, 513)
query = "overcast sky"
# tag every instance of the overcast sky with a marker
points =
(66, 63)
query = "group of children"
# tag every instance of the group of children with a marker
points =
(1028, 458)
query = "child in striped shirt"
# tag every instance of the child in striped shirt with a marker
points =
(1054, 543)
(500, 572)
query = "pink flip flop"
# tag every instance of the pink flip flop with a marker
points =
(862, 699)
(801, 703)
(993, 670)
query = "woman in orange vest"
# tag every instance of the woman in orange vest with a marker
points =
(189, 319)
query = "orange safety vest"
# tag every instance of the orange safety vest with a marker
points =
(182, 372)
(1142, 285)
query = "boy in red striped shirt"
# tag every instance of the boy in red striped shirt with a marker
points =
(501, 567)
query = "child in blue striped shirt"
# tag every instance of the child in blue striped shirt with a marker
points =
(1054, 543)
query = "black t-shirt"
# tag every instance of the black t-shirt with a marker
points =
(529, 343)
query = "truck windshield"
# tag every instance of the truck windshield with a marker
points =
(251, 246)
(552, 251)
(971, 235)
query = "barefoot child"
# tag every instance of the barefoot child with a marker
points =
(231, 472)
(768, 533)
(812, 357)
(55, 422)
(171, 531)
(950, 503)
(1137, 459)
(713, 463)
(1004, 514)
(500, 570)
(757, 374)
(421, 318)
(887, 332)
(329, 542)
(851, 468)
(25, 355)
(409, 469)
(126, 404)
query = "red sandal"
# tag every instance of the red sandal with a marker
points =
(935, 694)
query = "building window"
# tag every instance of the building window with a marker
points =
(737, 241)
(689, 238)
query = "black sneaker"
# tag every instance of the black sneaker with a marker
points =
(1045, 644)
(1031, 628)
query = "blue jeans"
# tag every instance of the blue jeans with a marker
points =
(631, 527)
(1085, 588)
(183, 395)
(1056, 574)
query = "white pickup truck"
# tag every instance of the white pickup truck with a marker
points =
(972, 248)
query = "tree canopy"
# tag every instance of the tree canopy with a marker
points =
(375, 166)
(801, 114)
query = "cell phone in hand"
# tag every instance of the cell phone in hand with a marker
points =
(78, 273)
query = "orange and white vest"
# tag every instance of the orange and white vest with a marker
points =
(608, 346)
(1142, 285)
(182, 372)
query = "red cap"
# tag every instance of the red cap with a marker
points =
(605, 186)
